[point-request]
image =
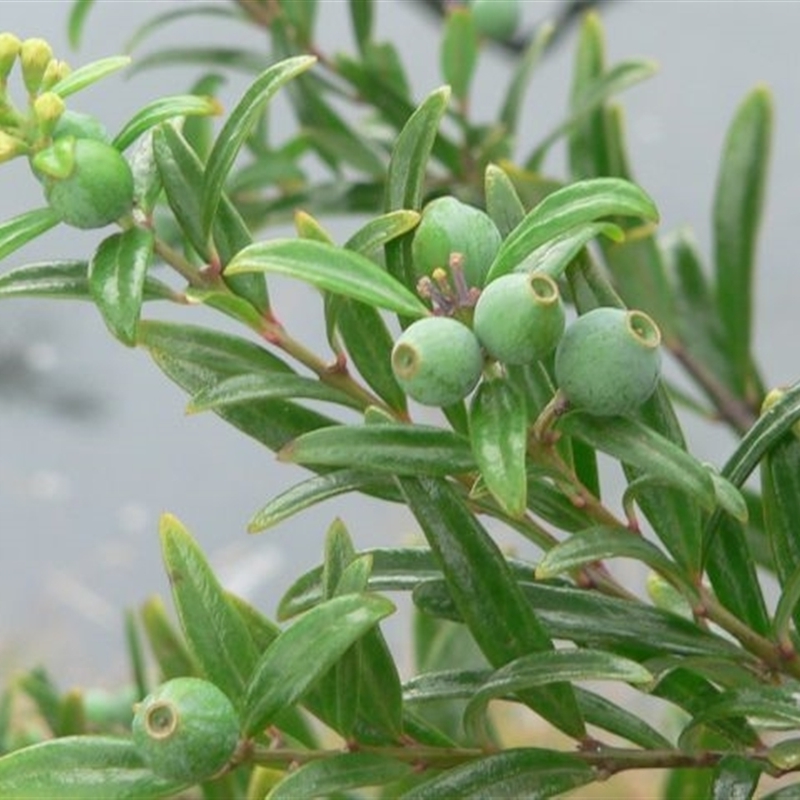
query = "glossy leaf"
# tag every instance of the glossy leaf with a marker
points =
(305, 651)
(385, 228)
(238, 125)
(486, 593)
(735, 778)
(409, 162)
(539, 669)
(244, 388)
(531, 773)
(502, 201)
(88, 74)
(308, 493)
(499, 435)
(566, 208)
(459, 53)
(68, 280)
(18, 231)
(76, 21)
(214, 631)
(738, 201)
(161, 110)
(391, 448)
(638, 445)
(117, 274)
(338, 773)
(330, 268)
(81, 768)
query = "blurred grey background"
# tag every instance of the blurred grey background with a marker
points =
(94, 444)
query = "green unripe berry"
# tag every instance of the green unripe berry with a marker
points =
(608, 361)
(450, 226)
(519, 317)
(186, 730)
(498, 19)
(81, 126)
(437, 361)
(97, 190)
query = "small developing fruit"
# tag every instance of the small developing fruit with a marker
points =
(98, 188)
(498, 19)
(186, 730)
(519, 317)
(450, 226)
(437, 361)
(608, 361)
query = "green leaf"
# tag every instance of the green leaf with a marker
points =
(81, 768)
(459, 53)
(593, 95)
(531, 773)
(735, 778)
(234, 58)
(791, 792)
(486, 592)
(498, 426)
(338, 773)
(540, 669)
(213, 629)
(385, 228)
(639, 446)
(161, 110)
(237, 127)
(573, 205)
(88, 74)
(409, 162)
(361, 14)
(502, 201)
(77, 20)
(68, 280)
(598, 543)
(245, 388)
(117, 275)
(167, 645)
(305, 651)
(308, 493)
(24, 228)
(330, 268)
(738, 203)
(391, 448)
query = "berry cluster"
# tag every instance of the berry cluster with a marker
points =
(86, 180)
(607, 362)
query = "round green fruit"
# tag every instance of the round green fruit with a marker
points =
(186, 730)
(437, 361)
(608, 362)
(519, 317)
(81, 126)
(97, 190)
(498, 19)
(450, 226)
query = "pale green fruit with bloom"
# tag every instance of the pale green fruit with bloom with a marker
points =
(609, 361)
(187, 730)
(519, 317)
(437, 361)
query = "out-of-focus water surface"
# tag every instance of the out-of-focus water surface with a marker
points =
(94, 444)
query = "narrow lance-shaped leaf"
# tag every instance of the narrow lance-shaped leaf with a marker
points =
(20, 230)
(238, 126)
(385, 228)
(738, 202)
(88, 74)
(305, 651)
(330, 268)
(81, 768)
(77, 20)
(214, 631)
(117, 274)
(486, 592)
(361, 14)
(502, 201)
(166, 644)
(459, 53)
(573, 205)
(498, 432)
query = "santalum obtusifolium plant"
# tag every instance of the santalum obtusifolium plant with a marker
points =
(577, 284)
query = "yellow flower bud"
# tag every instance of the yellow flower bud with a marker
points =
(48, 108)
(9, 50)
(54, 72)
(34, 57)
(10, 147)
